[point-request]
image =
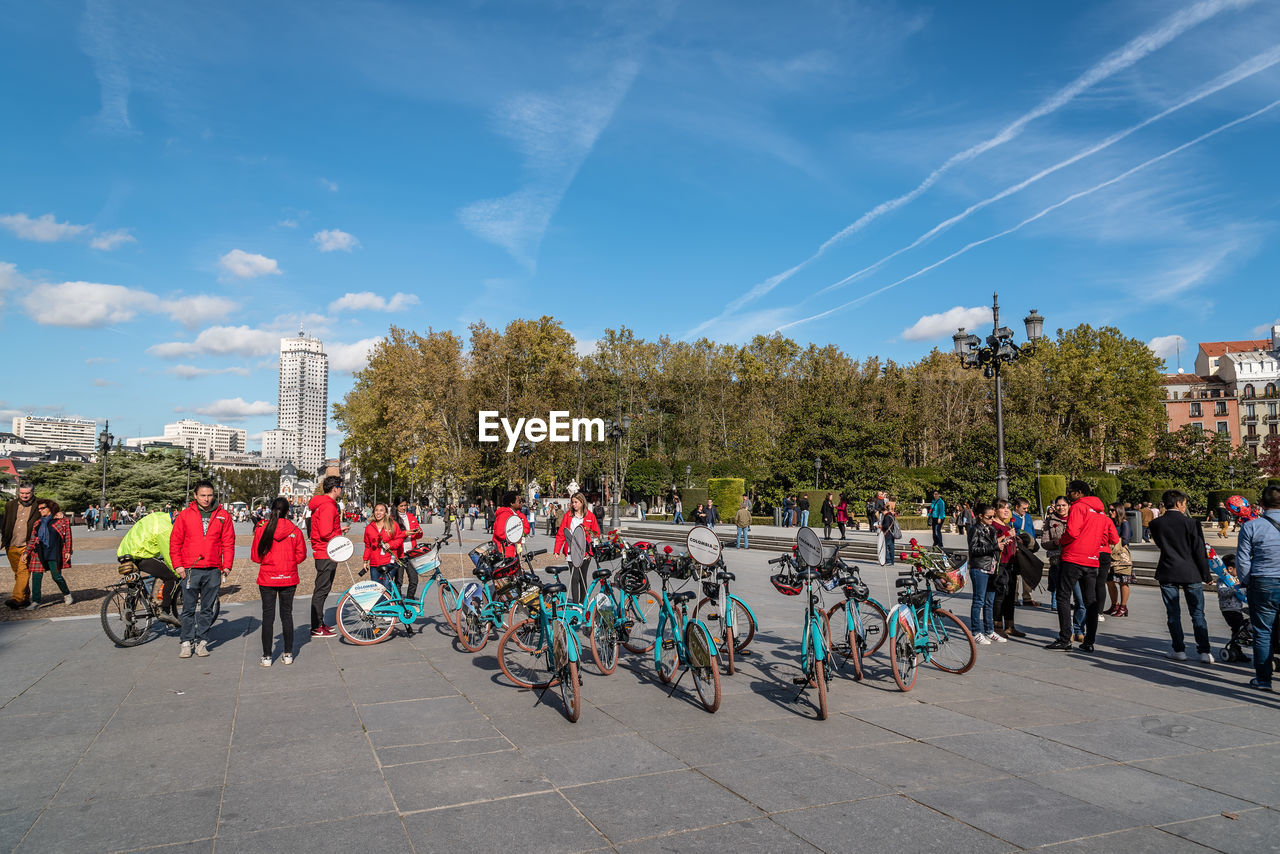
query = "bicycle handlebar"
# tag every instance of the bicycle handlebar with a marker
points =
(531, 555)
(782, 559)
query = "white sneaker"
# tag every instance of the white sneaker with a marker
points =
(1206, 658)
(287, 658)
(981, 639)
(265, 661)
(1101, 618)
(202, 648)
(33, 606)
(184, 651)
(67, 600)
(998, 638)
(1176, 656)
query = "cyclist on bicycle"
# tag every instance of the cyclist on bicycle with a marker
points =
(147, 543)
(513, 504)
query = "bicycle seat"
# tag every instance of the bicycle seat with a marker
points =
(601, 573)
(553, 588)
(554, 570)
(808, 575)
(725, 575)
(683, 595)
(904, 582)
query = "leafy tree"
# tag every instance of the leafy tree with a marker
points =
(1269, 459)
(156, 478)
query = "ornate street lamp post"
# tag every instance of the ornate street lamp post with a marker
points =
(688, 470)
(186, 459)
(391, 483)
(999, 350)
(375, 488)
(413, 479)
(104, 445)
(616, 431)
(526, 451)
(1039, 497)
(817, 469)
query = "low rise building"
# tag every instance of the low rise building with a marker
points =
(1208, 402)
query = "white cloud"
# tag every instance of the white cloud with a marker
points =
(288, 223)
(99, 360)
(109, 240)
(42, 229)
(10, 279)
(1261, 330)
(1168, 346)
(104, 383)
(350, 357)
(332, 239)
(369, 301)
(221, 341)
(247, 265)
(331, 186)
(188, 372)
(933, 326)
(84, 305)
(198, 310)
(235, 409)
(584, 346)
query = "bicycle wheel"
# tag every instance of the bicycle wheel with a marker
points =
(744, 625)
(525, 656)
(668, 656)
(604, 638)
(956, 650)
(703, 666)
(472, 628)
(360, 626)
(845, 648)
(903, 659)
(641, 611)
(722, 635)
(448, 597)
(567, 671)
(815, 672)
(875, 626)
(127, 616)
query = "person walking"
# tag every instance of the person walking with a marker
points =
(713, 514)
(892, 531)
(1088, 533)
(842, 515)
(937, 515)
(489, 513)
(1258, 566)
(984, 561)
(699, 515)
(678, 518)
(147, 543)
(553, 518)
(49, 550)
(828, 516)
(90, 514)
(202, 550)
(742, 519)
(278, 547)
(787, 507)
(1147, 516)
(803, 503)
(577, 516)
(326, 523)
(1182, 572)
(1224, 520)
(20, 518)
(1006, 577)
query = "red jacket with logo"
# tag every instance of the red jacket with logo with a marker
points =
(1089, 531)
(500, 526)
(192, 547)
(380, 546)
(326, 523)
(279, 566)
(562, 536)
(411, 534)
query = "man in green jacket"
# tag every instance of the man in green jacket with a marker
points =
(147, 542)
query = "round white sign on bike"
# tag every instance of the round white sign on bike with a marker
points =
(809, 547)
(703, 545)
(340, 548)
(578, 544)
(514, 529)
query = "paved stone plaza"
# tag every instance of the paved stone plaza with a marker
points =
(414, 745)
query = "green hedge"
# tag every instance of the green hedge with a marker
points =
(691, 498)
(816, 497)
(1108, 489)
(1051, 486)
(727, 493)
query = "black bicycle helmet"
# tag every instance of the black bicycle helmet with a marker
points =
(711, 589)
(786, 583)
(632, 581)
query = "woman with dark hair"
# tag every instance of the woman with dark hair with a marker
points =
(1006, 580)
(984, 561)
(828, 516)
(49, 550)
(278, 547)
(842, 515)
(1121, 574)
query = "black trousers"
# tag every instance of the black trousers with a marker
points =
(403, 570)
(826, 529)
(325, 568)
(1006, 584)
(269, 596)
(578, 576)
(1093, 590)
(1095, 598)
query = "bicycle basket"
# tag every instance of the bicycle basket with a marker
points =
(633, 581)
(948, 582)
(480, 554)
(711, 589)
(682, 568)
(786, 583)
(919, 598)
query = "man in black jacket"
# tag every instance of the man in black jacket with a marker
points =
(1183, 570)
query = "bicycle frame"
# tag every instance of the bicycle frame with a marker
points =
(681, 629)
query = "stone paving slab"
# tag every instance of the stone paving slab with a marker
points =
(413, 745)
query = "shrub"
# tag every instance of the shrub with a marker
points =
(691, 498)
(1051, 486)
(727, 493)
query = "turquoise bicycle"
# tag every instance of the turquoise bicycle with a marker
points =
(541, 651)
(369, 610)
(921, 630)
(682, 641)
(493, 600)
(858, 624)
(815, 663)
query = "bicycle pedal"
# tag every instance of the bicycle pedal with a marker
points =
(800, 680)
(669, 644)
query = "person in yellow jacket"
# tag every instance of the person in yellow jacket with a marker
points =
(147, 542)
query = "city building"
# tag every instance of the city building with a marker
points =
(1208, 402)
(204, 440)
(11, 442)
(1209, 356)
(297, 490)
(302, 414)
(77, 434)
(1253, 375)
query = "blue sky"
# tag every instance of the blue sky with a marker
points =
(181, 184)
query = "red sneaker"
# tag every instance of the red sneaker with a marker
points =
(323, 632)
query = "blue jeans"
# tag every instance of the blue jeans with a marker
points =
(1264, 602)
(200, 587)
(678, 519)
(984, 599)
(742, 538)
(786, 518)
(383, 574)
(888, 551)
(936, 525)
(1194, 594)
(804, 518)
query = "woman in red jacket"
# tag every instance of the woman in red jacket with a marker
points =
(577, 516)
(382, 536)
(278, 547)
(412, 533)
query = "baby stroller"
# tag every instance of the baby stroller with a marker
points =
(1230, 593)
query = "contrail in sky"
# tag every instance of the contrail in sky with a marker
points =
(1242, 71)
(1071, 198)
(1131, 53)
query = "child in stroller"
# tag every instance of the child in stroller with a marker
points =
(1231, 602)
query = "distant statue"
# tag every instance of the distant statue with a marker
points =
(573, 488)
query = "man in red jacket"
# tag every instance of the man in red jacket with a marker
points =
(1089, 531)
(326, 523)
(512, 502)
(202, 548)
